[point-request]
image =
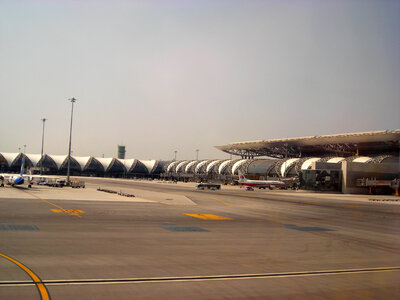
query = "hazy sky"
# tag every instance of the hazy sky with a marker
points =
(159, 76)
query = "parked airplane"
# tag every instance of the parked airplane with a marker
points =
(16, 179)
(261, 184)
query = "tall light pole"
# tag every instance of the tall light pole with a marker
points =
(197, 154)
(175, 154)
(73, 100)
(41, 153)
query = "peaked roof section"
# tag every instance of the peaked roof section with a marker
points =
(58, 160)
(115, 165)
(82, 161)
(104, 162)
(150, 165)
(126, 163)
(34, 159)
(10, 157)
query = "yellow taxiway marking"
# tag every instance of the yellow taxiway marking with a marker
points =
(310, 201)
(70, 211)
(208, 217)
(222, 201)
(44, 295)
(136, 280)
(351, 206)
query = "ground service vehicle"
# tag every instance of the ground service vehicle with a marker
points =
(209, 186)
(77, 184)
(56, 182)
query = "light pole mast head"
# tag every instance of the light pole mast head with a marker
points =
(72, 99)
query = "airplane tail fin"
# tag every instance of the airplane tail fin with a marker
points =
(22, 166)
(242, 178)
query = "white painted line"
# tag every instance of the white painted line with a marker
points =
(104, 281)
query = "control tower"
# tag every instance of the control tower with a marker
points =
(121, 152)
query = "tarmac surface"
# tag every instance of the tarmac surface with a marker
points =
(173, 242)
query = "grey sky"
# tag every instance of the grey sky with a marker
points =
(160, 76)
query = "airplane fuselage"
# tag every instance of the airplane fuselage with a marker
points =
(260, 183)
(16, 180)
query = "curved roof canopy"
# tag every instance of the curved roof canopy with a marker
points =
(191, 165)
(347, 144)
(181, 167)
(335, 160)
(201, 165)
(223, 166)
(307, 164)
(286, 165)
(212, 164)
(362, 159)
(237, 165)
(172, 165)
(259, 166)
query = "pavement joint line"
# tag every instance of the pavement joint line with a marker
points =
(44, 294)
(71, 212)
(201, 278)
(222, 201)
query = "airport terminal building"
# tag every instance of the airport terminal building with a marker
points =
(329, 162)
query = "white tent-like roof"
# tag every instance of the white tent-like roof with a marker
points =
(127, 163)
(105, 162)
(34, 158)
(10, 157)
(82, 161)
(58, 159)
(149, 164)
